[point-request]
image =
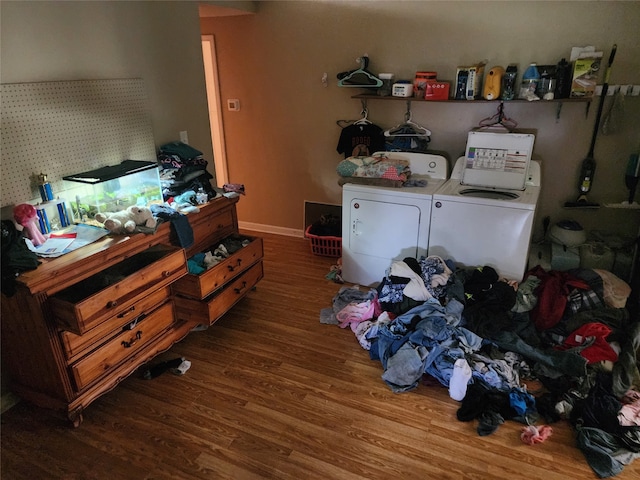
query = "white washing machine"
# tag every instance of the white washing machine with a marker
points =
(383, 224)
(483, 215)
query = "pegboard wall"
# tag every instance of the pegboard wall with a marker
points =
(62, 128)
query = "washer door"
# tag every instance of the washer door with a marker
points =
(379, 228)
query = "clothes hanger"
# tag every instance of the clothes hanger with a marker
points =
(498, 122)
(360, 77)
(363, 120)
(408, 128)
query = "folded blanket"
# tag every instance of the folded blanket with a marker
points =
(375, 167)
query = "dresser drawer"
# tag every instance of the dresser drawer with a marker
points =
(210, 309)
(122, 346)
(113, 291)
(203, 285)
(207, 229)
(76, 345)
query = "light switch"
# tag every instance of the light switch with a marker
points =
(233, 105)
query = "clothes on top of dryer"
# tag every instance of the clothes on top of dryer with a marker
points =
(378, 166)
(361, 139)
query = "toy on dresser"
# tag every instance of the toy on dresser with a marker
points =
(126, 221)
(27, 216)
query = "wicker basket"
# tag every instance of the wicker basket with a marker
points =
(325, 246)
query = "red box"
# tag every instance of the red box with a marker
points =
(437, 90)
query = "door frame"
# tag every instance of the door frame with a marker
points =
(215, 109)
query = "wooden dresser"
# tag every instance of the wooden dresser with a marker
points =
(82, 322)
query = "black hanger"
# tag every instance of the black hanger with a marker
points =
(408, 128)
(498, 122)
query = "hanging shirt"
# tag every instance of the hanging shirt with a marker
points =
(361, 140)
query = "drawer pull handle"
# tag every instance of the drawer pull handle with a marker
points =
(126, 312)
(133, 340)
(112, 303)
(220, 226)
(233, 267)
(240, 289)
(166, 274)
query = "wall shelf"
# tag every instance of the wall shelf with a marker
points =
(369, 96)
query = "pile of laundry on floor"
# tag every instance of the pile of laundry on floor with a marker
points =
(558, 345)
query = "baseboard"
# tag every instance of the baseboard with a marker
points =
(258, 227)
(8, 400)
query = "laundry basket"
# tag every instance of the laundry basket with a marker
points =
(325, 246)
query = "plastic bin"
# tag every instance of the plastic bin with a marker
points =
(325, 246)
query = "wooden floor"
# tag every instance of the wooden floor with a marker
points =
(273, 393)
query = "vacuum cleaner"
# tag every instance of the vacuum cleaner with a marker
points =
(589, 163)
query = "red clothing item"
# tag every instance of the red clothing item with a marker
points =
(598, 351)
(553, 293)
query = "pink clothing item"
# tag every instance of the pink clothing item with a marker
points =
(629, 414)
(355, 313)
(532, 434)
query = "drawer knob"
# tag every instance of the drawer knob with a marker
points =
(133, 340)
(233, 267)
(166, 274)
(240, 289)
(112, 303)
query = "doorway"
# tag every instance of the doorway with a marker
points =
(215, 109)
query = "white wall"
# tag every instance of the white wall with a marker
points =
(75, 40)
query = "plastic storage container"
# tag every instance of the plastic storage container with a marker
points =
(529, 84)
(112, 188)
(326, 246)
(387, 83)
(547, 83)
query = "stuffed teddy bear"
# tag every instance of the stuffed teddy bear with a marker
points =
(126, 221)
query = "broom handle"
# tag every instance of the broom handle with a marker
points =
(603, 94)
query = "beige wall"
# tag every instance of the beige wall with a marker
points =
(156, 41)
(281, 144)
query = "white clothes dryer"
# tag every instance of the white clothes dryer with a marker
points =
(485, 217)
(381, 225)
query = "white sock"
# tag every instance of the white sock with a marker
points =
(459, 379)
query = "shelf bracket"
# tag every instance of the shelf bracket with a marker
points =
(558, 110)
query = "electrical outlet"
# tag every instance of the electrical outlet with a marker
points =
(184, 138)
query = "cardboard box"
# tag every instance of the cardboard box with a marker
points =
(469, 82)
(437, 91)
(585, 77)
